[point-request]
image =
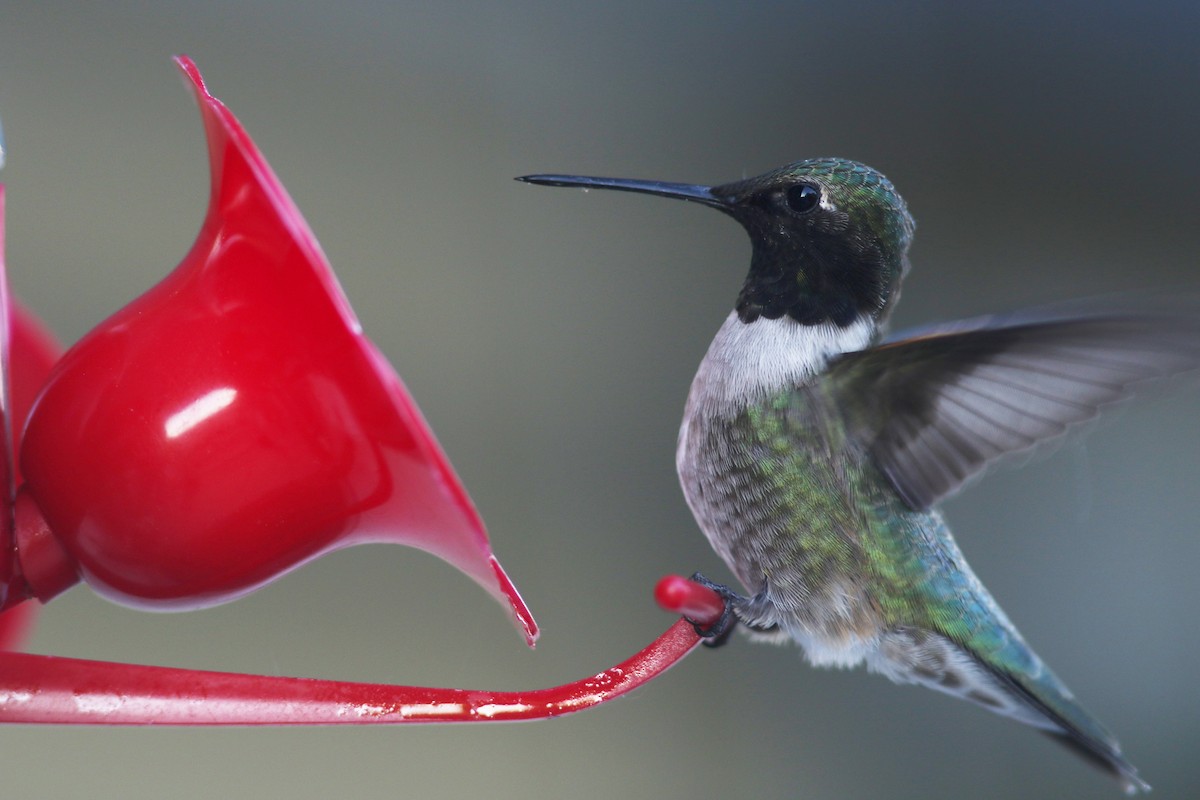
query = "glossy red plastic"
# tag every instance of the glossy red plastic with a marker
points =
(69, 691)
(10, 582)
(47, 689)
(227, 426)
(27, 352)
(234, 423)
(678, 595)
(32, 352)
(15, 624)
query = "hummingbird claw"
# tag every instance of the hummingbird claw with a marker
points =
(717, 633)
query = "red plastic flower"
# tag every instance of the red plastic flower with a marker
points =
(31, 352)
(234, 422)
(224, 428)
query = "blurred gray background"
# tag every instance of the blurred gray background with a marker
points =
(550, 337)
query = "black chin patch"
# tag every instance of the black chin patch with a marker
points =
(776, 299)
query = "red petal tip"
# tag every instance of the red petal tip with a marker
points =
(191, 72)
(521, 613)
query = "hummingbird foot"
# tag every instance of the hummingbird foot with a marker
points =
(717, 633)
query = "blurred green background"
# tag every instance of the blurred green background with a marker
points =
(1047, 151)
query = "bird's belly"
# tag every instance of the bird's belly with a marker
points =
(784, 519)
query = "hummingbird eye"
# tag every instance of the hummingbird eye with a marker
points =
(803, 198)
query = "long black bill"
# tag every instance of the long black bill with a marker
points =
(679, 191)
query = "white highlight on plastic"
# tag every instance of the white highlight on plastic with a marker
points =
(99, 704)
(431, 709)
(492, 710)
(198, 411)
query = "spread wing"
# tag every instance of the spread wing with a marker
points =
(939, 406)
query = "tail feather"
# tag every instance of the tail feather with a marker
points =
(1012, 683)
(1075, 728)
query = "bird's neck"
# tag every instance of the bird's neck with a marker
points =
(748, 362)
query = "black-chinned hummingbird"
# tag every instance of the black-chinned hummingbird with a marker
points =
(813, 452)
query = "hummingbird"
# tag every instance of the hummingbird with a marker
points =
(813, 451)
